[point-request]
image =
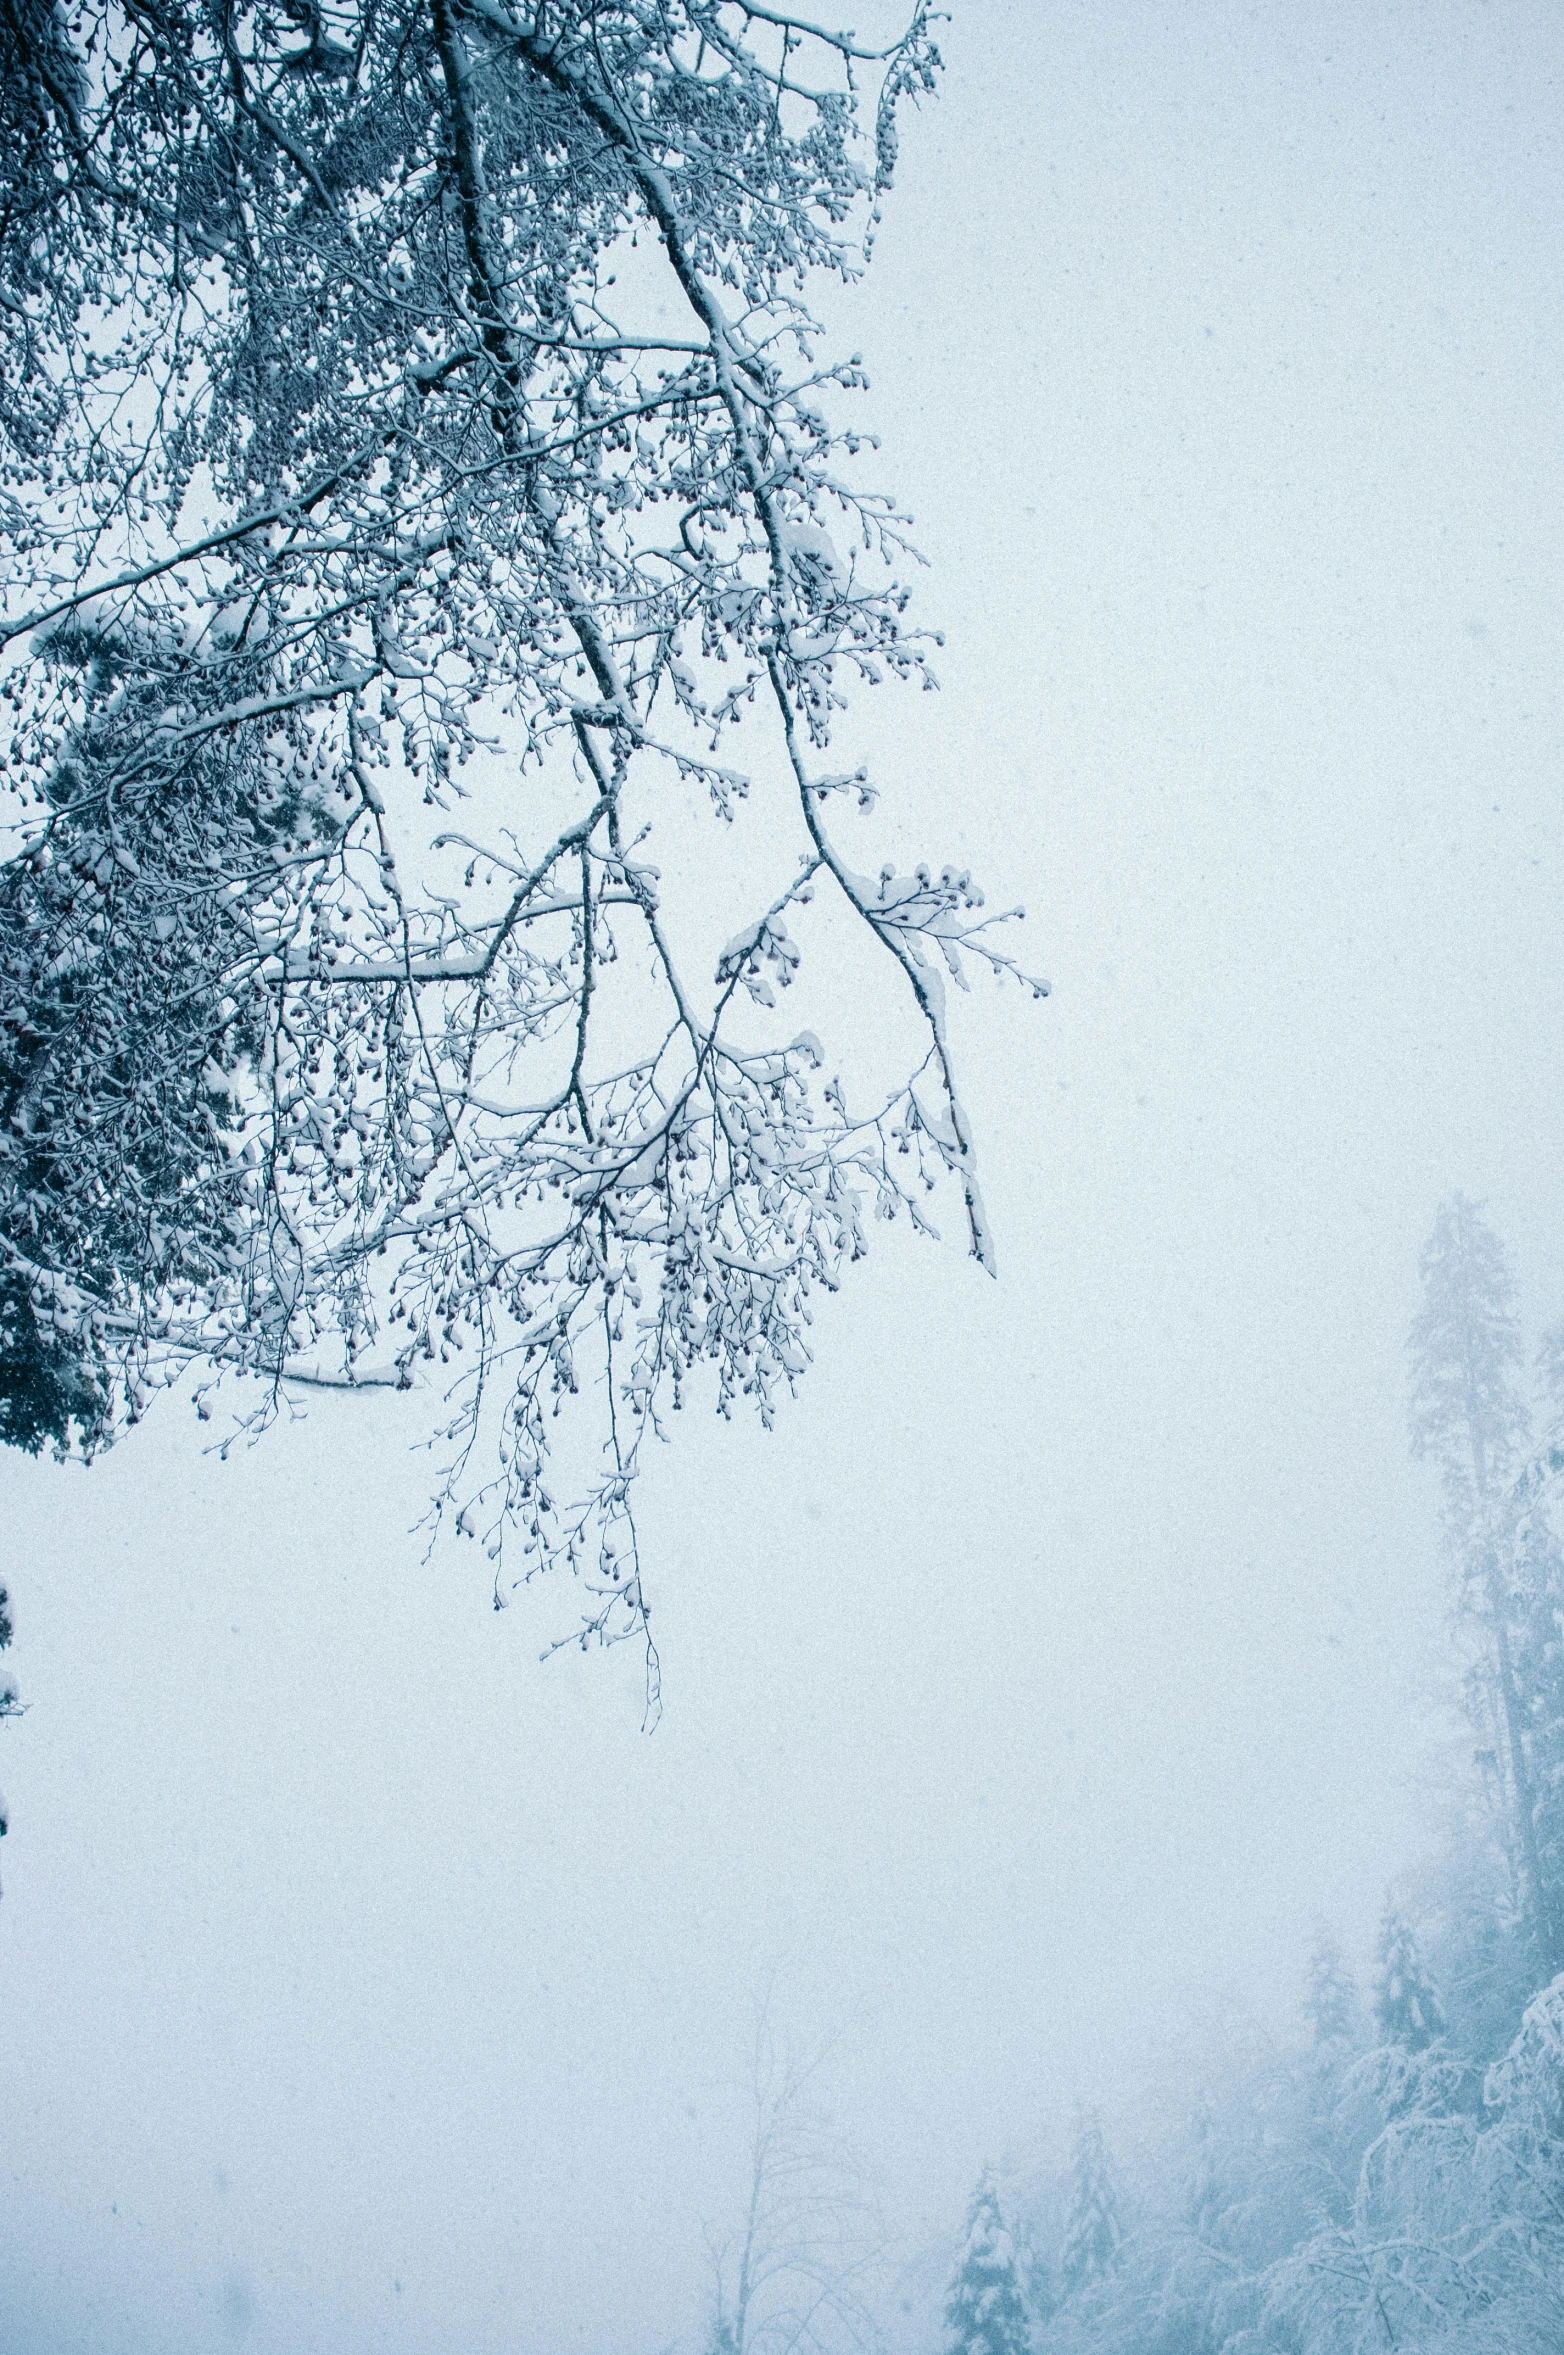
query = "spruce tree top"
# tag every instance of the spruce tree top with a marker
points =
(1093, 2233)
(1406, 2007)
(985, 2310)
(1467, 1410)
(1331, 2003)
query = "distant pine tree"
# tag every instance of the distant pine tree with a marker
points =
(985, 2311)
(1468, 1412)
(1330, 2001)
(1469, 1416)
(1407, 2010)
(1537, 1638)
(1093, 2232)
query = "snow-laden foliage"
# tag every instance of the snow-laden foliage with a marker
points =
(1407, 2009)
(1401, 2201)
(1536, 1613)
(1467, 1410)
(986, 2307)
(1331, 2002)
(416, 459)
(1470, 1415)
(1092, 2231)
(1392, 2176)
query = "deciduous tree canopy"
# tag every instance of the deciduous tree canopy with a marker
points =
(417, 461)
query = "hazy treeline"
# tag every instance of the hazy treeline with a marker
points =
(1392, 2178)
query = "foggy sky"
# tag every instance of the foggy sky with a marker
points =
(1068, 1647)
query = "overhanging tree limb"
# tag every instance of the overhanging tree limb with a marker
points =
(427, 507)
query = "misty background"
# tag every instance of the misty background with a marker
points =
(1073, 1643)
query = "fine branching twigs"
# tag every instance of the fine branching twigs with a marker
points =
(410, 407)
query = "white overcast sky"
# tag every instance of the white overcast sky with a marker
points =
(1065, 1650)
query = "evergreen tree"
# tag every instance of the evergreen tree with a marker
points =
(1407, 2010)
(1037, 2282)
(1469, 1417)
(1093, 2232)
(985, 2310)
(1467, 1412)
(1331, 2001)
(51, 1393)
(1537, 1637)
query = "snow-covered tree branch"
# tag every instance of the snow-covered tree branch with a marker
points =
(420, 459)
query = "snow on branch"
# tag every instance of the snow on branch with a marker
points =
(352, 477)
